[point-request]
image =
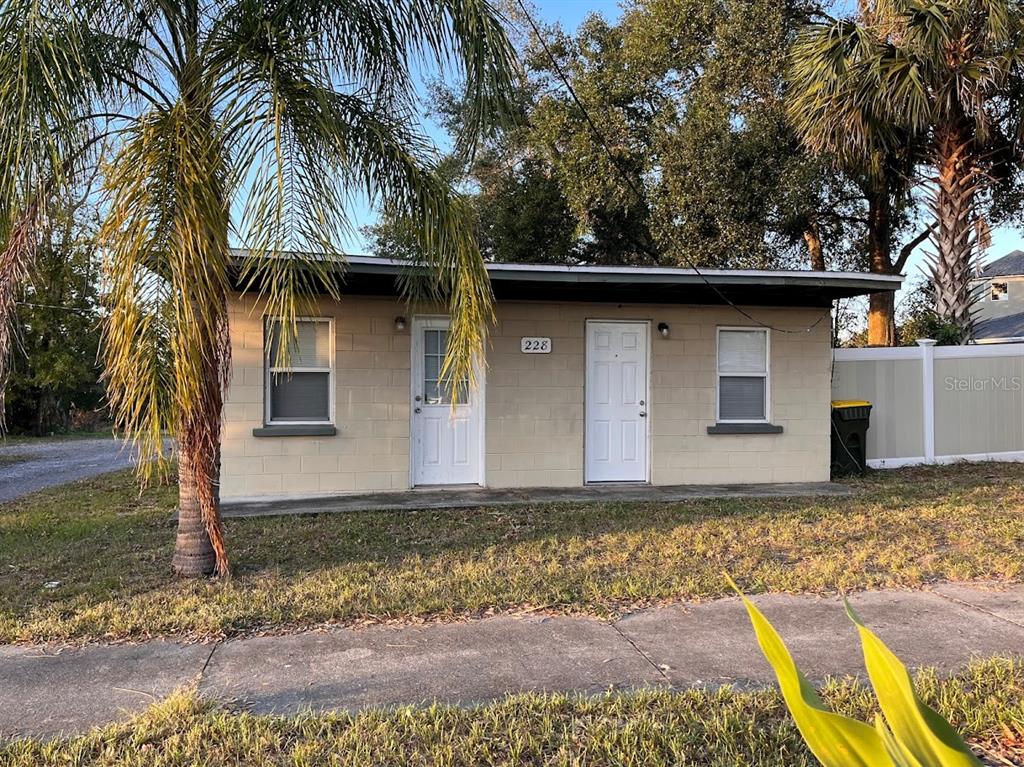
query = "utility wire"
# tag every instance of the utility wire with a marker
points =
(636, 190)
(54, 306)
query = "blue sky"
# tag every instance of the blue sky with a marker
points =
(569, 13)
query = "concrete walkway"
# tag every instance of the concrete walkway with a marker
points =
(459, 497)
(48, 463)
(44, 691)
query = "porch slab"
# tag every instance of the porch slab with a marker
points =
(461, 497)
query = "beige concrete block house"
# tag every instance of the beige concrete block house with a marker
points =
(591, 375)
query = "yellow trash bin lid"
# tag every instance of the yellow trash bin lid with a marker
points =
(844, 403)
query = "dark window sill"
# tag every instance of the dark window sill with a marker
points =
(296, 430)
(744, 428)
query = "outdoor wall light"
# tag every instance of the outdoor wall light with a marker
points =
(663, 329)
(399, 323)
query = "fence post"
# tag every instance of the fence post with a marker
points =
(928, 399)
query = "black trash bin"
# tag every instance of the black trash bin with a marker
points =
(850, 420)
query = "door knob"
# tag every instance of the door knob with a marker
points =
(418, 398)
(416, 410)
(643, 414)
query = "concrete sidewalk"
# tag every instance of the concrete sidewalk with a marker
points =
(44, 691)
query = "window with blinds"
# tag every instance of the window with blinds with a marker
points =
(742, 374)
(298, 387)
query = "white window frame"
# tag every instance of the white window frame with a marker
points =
(269, 371)
(1006, 290)
(766, 375)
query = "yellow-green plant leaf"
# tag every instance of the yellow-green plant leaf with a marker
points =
(896, 750)
(921, 731)
(836, 741)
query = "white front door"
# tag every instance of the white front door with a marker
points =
(616, 401)
(446, 441)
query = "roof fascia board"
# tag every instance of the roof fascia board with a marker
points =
(649, 275)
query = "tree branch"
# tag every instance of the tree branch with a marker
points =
(907, 249)
(841, 217)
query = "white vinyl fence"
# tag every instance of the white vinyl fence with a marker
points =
(937, 404)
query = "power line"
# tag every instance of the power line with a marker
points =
(627, 177)
(54, 306)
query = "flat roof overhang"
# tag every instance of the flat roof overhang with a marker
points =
(369, 276)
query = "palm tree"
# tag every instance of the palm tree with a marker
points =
(878, 156)
(938, 81)
(248, 119)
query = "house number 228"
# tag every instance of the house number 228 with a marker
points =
(533, 345)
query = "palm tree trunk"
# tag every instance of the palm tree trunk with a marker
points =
(956, 185)
(200, 547)
(193, 552)
(881, 306)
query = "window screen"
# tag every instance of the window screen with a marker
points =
(742, 375)
(299, 385)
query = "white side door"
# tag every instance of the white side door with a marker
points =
(616, 401)
(446, 442)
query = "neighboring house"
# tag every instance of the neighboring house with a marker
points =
(999, 307)
(592, 374)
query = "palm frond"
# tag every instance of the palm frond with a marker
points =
(310, 146)
(50, 71)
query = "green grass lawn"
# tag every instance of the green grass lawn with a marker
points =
(110, 549)
(31, 439)
(723, 728)
(11, 458)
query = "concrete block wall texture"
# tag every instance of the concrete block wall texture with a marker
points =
(534, 419)
(369, 453)
(535, 402)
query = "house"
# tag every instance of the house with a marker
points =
(999, 303)
(591, 374)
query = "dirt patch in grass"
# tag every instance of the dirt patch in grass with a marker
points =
(109, 550)
(723, 728)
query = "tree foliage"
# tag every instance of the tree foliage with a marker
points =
(690, 97)
(519, 210)
(696, 161)
(55, 372)
(918, 318)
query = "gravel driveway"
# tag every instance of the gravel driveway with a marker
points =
(47, 464)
